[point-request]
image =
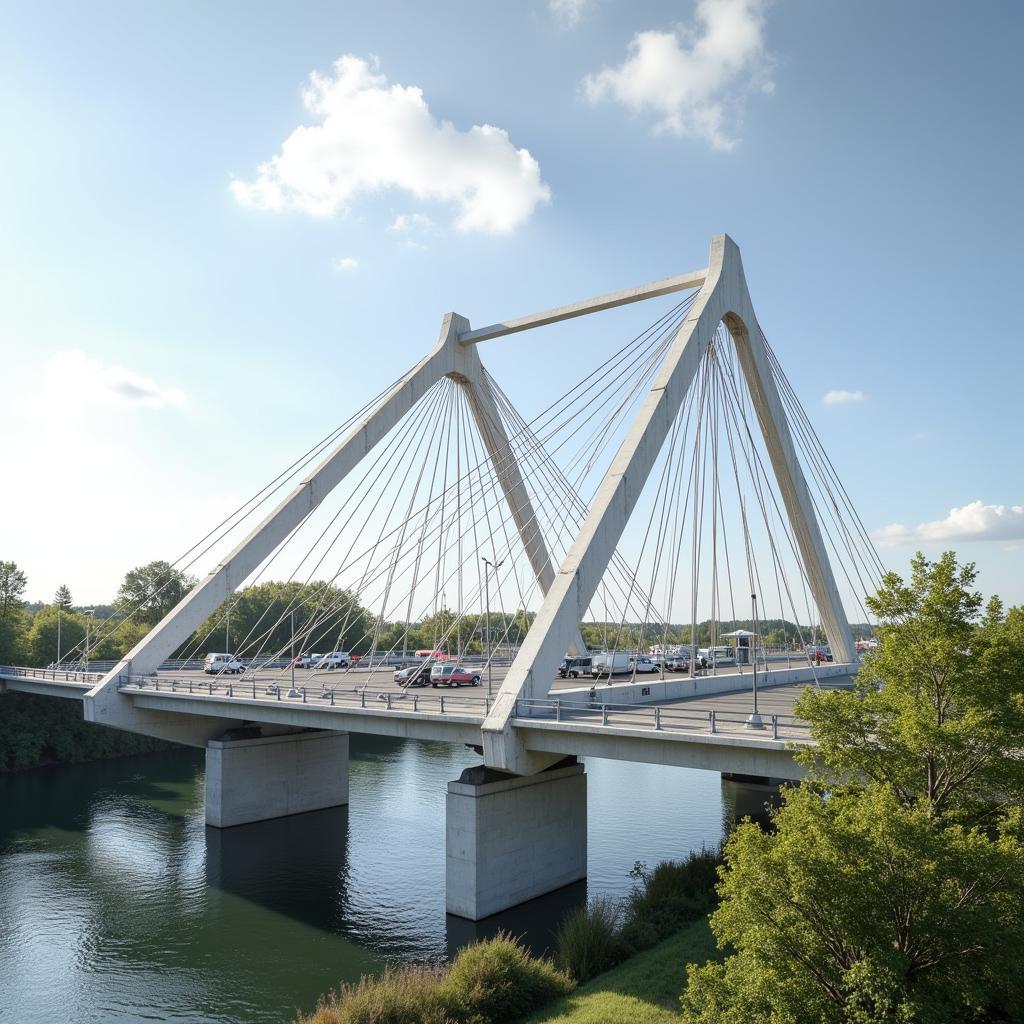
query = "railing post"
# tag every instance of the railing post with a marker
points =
(277, 690)
(415, 701)
(190, 686)
(558, 710)
(231, 689)
(209, 687)
(362, 698)
(388, 695)
(604, 714)
(303, 695)
(332, 696)
(657, 718)
(156, 683)
(711, 720)
(775, 727)
(253, 687)
(442, 703)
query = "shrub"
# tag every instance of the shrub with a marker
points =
(589, 939)
(497, 981)
(403, 995)
(667, 897)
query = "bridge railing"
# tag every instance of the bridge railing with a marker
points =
(662, 718)
(351, 698)
(50, 675)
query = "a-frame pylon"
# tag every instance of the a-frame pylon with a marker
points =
(723, 299)
(451, 358)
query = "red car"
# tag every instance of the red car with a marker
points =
(453, 675)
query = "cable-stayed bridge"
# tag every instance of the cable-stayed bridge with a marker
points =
(676, 487)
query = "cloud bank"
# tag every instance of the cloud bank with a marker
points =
(694, 79)
(371, 136)
(975, 521)
(74, 374)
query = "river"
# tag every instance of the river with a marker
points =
(118, 904)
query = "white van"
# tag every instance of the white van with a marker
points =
(217, 664)
(717, 655)
(609, 663)
(336, 659)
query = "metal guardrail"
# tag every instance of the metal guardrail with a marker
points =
(661, 718)
(352, 698)
(50, 674)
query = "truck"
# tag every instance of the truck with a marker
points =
(610, 663)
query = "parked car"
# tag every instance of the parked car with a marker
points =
(818, 653)
(678, 663)
(717, 656)
(304, 660)
(336, 659)
(449, 674)
(573, 668)
(218, 664)
(643, 663)
(413, 675)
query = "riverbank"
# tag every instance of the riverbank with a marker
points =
(644, 989)
(36, 732)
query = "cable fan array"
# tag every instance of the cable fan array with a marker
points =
(421, 547)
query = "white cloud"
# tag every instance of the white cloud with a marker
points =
(345, 263)
(411, 222)
(568, 13)
(975, 521)
(840, 396)
(73, 373)
(693, 79)
(372, 136)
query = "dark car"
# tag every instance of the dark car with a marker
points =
(573, 668)
(413, 675)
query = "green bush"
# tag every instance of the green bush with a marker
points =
(497, 981)
(403, 995)
(589, 939)
(674, 893)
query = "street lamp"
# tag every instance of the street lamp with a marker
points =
(754, 721)
(293, 692)
(488, 566)
(89, 612)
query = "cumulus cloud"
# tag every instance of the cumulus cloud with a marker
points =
(693, 78)
(568, 13)
(841, 396)
(976, 521)
(73, 373)
(345, 263)
(371, 136)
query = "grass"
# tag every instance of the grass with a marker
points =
(643, 990)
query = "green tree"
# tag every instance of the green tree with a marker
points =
(62, 597)
(148, 592)
(41, 642)
(858, 909)
(891, 886)
(12, 585)
(945, 724)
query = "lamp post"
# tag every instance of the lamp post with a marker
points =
(488, 566)
(754, 721)
(58, 636)
(293, 692)
(227, 631)
(88, 621)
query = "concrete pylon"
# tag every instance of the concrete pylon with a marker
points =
(723, 298)
(449, 358)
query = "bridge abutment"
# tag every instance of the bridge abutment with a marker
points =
(512, 838)
(260, 777)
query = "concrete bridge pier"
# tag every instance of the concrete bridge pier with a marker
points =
(511, 838)
(251, 777)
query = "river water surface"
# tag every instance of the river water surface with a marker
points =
(118, 904)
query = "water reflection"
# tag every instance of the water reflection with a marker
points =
(118, 904)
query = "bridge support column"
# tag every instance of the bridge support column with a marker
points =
(511, 838)
(256, 778)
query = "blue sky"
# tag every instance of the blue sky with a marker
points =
(173, 339)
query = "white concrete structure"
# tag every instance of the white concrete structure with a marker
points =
(512, 839)
(273, 776)
(723, 298)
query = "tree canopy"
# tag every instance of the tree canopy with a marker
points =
(148, 592)
(890, 887)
